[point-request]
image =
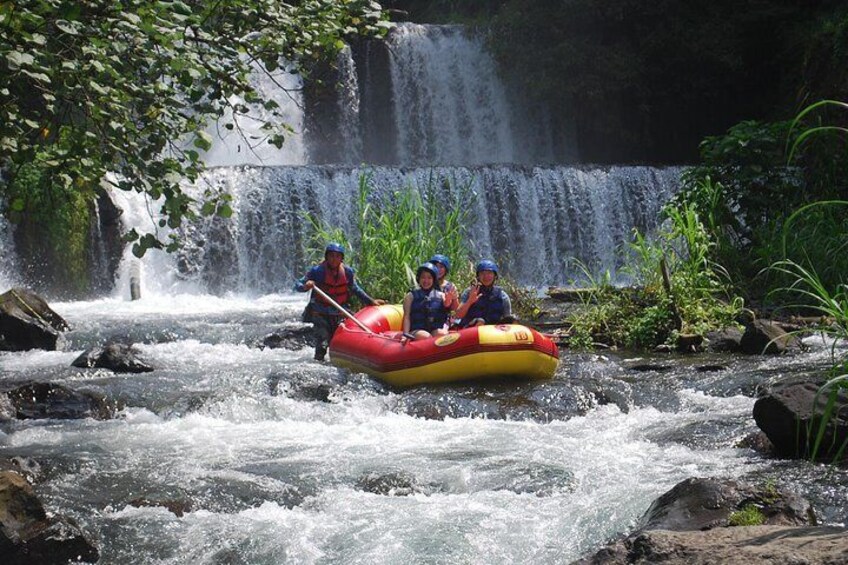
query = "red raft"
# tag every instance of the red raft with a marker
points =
(472, 353)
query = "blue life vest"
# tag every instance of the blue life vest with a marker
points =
(489, 306)
(427, 311)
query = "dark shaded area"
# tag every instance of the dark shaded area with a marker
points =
(648, 81)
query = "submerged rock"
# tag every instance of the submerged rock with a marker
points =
(178, 507)
(27, 322)
(28, 535)
(791, 414)
(388, 484)
(48, 400)
(288, 338)
(116, 357)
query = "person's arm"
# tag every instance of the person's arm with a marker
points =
(407, 306)
(306, 282)
(469, 297)
(357, 291)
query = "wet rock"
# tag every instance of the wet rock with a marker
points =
(791, 413)
(767, 337)
(758, 441)
(710, 368)
(116, 357)
(177, 507)
(689, 343)
(27, 322)
(752, 545)
(388, 484)
(698, 504)
(288, 338)
(301, 387)
(433, 406)
(644, 367)
(725, 340)
(28, 468)
(28, 535)
(691, 524)
(48, 400)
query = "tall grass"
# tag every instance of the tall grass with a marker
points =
(395, 232)
(679, 289)
(814, 242)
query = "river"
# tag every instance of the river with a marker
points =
(277, 458)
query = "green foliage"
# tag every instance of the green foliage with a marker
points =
(749, 515)
(690, 300)
(135, 83)
(749, 185)
(53, 224)
(399, 231)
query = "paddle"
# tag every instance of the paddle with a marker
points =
(341, 309)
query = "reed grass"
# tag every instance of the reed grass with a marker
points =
(397, 231)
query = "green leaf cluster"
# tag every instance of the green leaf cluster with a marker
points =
(748, 515)
(132, 85)
(398, 231)
(679, 289)
(53, 226)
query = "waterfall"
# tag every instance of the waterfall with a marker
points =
(246, 143)
(8, 257)
(534, 220)
(427, 104)
(450, 105)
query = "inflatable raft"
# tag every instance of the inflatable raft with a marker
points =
(472, 353)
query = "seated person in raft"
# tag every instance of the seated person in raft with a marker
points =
(483, 302)
(442, 263)
(425, 312)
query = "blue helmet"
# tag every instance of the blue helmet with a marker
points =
(430, 268)
(486, 265)
(443, 259)
(333, 246)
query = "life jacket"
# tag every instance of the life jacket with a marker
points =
(427, 311)
(489, 306)
(336, 285)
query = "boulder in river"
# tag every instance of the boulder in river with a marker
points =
(27, 322)
(725, 340)
(791, 414)
(47, 400)
(694, 523)
(116, 357)
(698, 504)
(765, 336)
(28, 535)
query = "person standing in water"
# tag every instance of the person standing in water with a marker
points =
(425, 312)
(337, 281)
(483, 302)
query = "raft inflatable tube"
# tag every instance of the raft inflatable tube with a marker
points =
(483, 352)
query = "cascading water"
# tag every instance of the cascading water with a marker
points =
(246, 143)
(450, 106)
(536, 221)
(8, 257)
